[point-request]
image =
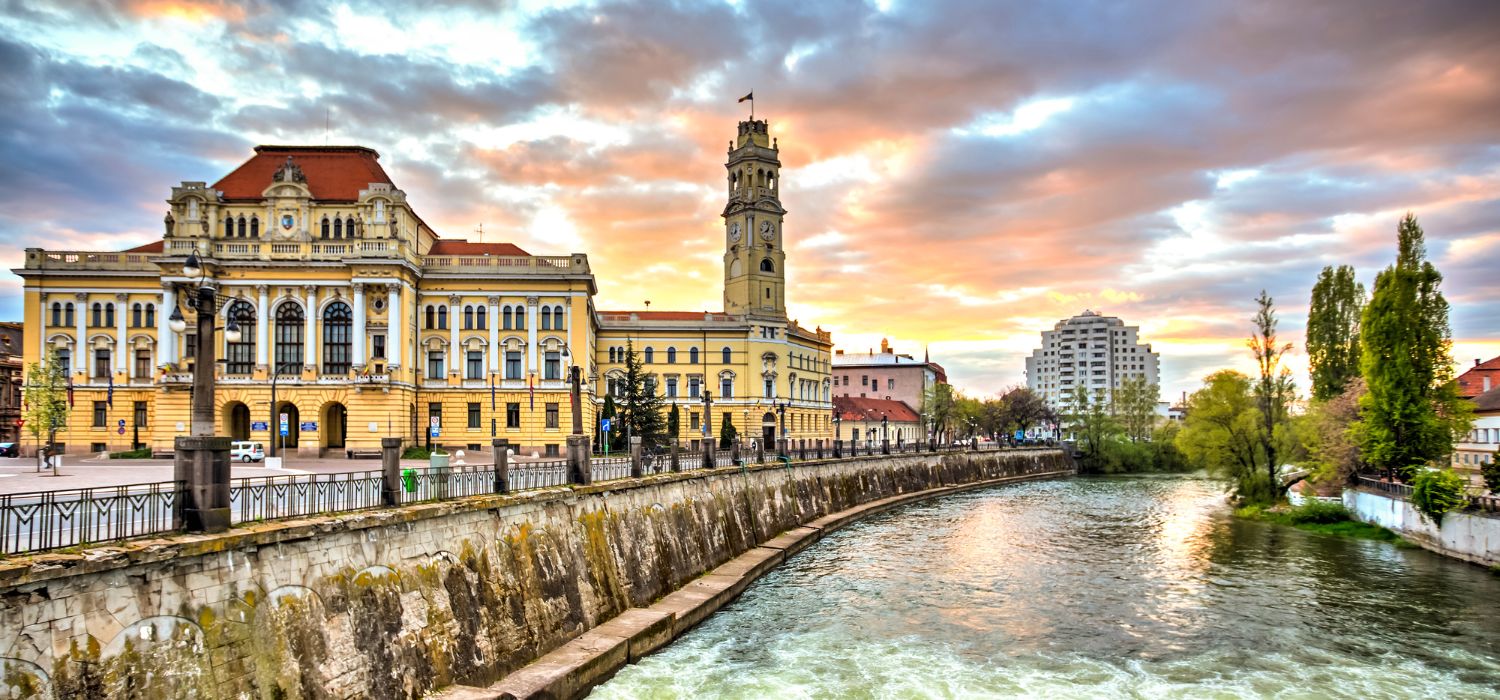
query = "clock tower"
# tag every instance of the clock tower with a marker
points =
(754, 254)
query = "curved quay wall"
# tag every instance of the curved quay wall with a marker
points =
(397, 603)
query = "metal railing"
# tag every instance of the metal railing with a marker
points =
(1486, 503)
(41, 520)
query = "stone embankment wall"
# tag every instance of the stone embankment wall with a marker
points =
(1469, 536)
(395, 603)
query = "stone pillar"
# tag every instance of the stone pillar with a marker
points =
(635, 457)
(838, 449)
(580, 471)
(708, 454)
(676, 465)
(760, 451)
(166, 340)
(122, 309)
(390, 471)
(357, 348)
(81, 342)
(734, 452)
(262, 326)
(501, 448)
(885, 446)
(395, 321)
(200, 465)
(454, 322)
(493, 320)
(310, 335)
(820, 448)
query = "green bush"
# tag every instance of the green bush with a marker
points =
(1435, 492)
(1318, 512)
(143, 453)
(416, 452)
(1491, 472)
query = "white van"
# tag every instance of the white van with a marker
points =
(247, 452)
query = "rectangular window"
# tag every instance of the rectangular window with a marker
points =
(475, 365)
(552, 450)
(143, 364)
(770, 388)
(140, 414)
(693, 421)
(512, 365)
(377, 346)
(435, 415)
(649, 386)
(435, 364)
(101, 364)
(64, 360)
(694, 387)
(671, 387)
(552, 369)
(101, 417)
(473, 416)
(513, 415)
(864, 380)
(726, 388)
(890, 384)
(551, 415)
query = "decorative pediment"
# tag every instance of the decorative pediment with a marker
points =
(289, 172)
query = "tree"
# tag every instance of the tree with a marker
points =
(1491, 472)
(1333, 456)
(609, 412)
(1089, 418)
(641, 414)
(1222, 434)
(1274, 390)
(46, 399)
(1134, 404)
(940, 408)
(1021, 408)
(727, 433)
(674, 423)
(1412, 414)
(1333, 349)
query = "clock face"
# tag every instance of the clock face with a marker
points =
(767, 229)
(734, 232)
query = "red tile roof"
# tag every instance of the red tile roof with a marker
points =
(334, 173)
(152, 247)
(857, 408)
(1488, 402)
(1471, 383)
(461, 247)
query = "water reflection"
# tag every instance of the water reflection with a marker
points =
(1138, 587)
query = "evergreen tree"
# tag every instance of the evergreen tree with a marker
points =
(674, 423)
(727, 433)
(1412, 414)
(1274, 390)
(641, 413)
(1333, 349)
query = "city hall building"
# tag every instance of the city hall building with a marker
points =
(362, 322)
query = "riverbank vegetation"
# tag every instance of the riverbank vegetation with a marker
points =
(1383, 397)
(1320, 516)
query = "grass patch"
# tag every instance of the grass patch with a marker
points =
(143, 453)
(1321, 516)
(416, 452)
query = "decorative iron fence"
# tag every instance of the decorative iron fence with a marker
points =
(538, 475)
(41, 520)
(611, 468)
(272, 497)
(1486, 503)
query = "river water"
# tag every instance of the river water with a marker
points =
(1138, 587)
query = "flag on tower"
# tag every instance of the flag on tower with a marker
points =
(748, 96)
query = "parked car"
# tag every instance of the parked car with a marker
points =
(247, 452)
(10, 449)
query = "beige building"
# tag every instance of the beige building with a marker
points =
(885, 375)
(370, 324)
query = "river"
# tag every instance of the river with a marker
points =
(1128, 587)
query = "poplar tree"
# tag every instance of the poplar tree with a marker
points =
(1412, 414)
(1274, 390)
(1333, 318)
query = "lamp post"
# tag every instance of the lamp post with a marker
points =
(201, 459)
(885, 433)
(838, 435)
(781, 446)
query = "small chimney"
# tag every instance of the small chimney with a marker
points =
(1476, 362)
(839, 351)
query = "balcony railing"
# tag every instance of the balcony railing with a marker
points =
(507, 264)
(38, 259)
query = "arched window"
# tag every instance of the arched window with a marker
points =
(57, 313)
(671, 356)
(557, 318)
(650, 356)
(68, 314)
(611, 355)
(505, 318)
(429, 318)
(338, 227)
(726, 356)
(150, 316)
(546, 318)
(135, 315)
(109, 315)
(325, 227)
(693, 356)
(443, 317)
(239, 357)
(468, 318)
(338, 321)
(242, 226)
(767, 266)
(228, 226)
(520, 318)
(97, 318)
(480, 321)
(255, 227)
(289, 326)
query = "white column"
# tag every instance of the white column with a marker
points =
(41, 299)
(531, 365)
(358, 348)
(494, 323)
(454, 320)
(263, 327)
(310, 339)
(121, 310)
(166, 340)
(81, 343)
(393, 327)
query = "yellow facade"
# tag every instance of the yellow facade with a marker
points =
(371, 325)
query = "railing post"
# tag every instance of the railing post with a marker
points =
(580, 471)
(820, 448)
(885, 446)
(838, 449)
(201, 469)
(501, 448)
(676, 465)
(390, 471)
(635, 456)
(760, 451)
(734, 451)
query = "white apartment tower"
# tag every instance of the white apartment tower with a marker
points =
(1097, 351)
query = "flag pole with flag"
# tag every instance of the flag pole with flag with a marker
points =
(109, 396)
(70, 390)
(750, 97)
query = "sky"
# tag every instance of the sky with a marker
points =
(959, 175)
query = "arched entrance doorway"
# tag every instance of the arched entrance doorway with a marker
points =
(293, 422)
(768, 429)
(335, 425)
(237, 421)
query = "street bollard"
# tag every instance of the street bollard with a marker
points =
(501, 448)
(390, 471)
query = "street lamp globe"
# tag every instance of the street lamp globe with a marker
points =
(232, 332)
(176, 322)
(191, 267)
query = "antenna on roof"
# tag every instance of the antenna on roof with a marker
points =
(479, 231)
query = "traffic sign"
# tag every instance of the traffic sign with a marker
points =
(436, 422)
(604, 424)
(435, 431)
(284, 430)
(122, 427)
